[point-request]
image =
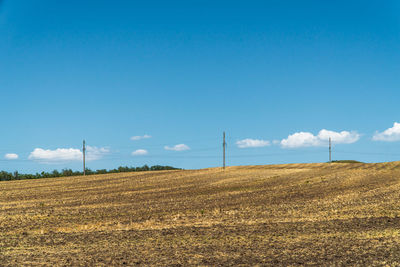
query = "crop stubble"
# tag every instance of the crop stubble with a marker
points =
(267, 215)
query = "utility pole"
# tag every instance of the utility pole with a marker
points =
(224, 147)
(84, 154)
(330, 150)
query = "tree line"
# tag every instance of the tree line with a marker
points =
(8, 176)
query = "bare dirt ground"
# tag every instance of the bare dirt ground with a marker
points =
(298, 214)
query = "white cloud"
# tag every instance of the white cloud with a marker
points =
(140, 137)
(301, 139)
(306, 139)
(180, 147)
(67, 154)
(246, 143)
(96, 153)
(140, 152)
(11, 156)
(60, 154)
(343, 137)
(389, 135)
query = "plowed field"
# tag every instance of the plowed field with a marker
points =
(323, 214)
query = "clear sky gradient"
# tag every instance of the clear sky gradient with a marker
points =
(183, 72)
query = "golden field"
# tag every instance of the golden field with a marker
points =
(321, 214)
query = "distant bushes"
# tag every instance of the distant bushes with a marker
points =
(7, 176)
(346, 161)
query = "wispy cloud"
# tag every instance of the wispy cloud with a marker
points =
(246, 143)
(306, 139)
(67, 154)
(140, 137)
(180, 147)
(11, 156)
(96, 153)
(389, 135)
(140, 152)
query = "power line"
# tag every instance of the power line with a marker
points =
(135, 144)
(194, 153)
(368, 153)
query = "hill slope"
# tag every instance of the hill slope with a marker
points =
(275, 214)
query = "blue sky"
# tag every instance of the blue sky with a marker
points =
(183, 72)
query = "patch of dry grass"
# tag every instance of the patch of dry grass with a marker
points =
(328, 214)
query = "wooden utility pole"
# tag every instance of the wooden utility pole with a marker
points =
(330, 149)
(84, 154)
(224, 146)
